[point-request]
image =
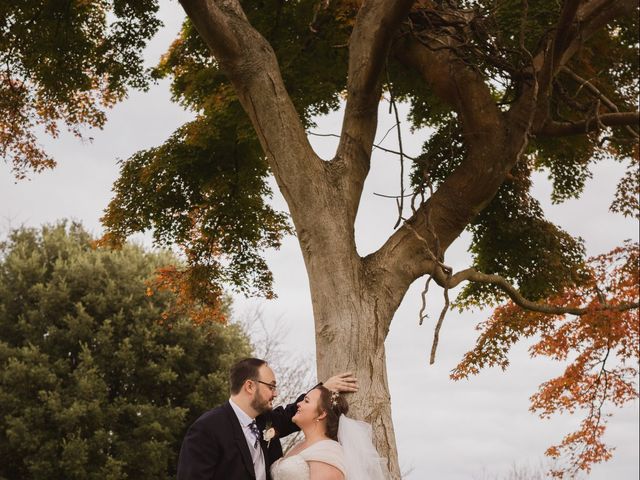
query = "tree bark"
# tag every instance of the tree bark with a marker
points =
(352, 320)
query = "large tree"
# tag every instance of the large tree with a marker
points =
(507, 88)
(97, 379)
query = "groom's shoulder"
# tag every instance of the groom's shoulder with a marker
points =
(215, 414)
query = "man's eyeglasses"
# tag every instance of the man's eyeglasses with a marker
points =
(271, 386)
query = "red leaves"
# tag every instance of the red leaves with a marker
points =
(603, 344)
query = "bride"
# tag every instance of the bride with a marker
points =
(335, 446)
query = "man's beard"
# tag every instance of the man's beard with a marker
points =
(260, 404)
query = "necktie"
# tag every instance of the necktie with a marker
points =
(254, 429)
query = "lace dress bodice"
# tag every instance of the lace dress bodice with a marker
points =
(295, 467)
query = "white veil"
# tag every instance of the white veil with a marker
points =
(362, 461)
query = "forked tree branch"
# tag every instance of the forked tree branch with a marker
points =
(492, 149)
(494, 140)
(590, 18)
(597, 93)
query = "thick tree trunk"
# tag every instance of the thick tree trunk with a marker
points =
(351, 325)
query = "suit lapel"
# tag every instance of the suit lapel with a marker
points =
(240, 439)
(261, 422)
(271, 451)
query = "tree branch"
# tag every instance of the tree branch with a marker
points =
(594, 90)
(454, 82)
(251, 65)
(472, 275)
(559, 129)
(591, 17)
(565, 30)
(376, 24)
(493, 147)
(214, 27)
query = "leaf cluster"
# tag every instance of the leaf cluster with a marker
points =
(65, 62)
(511, 238)
(204, 189)
(603, 346)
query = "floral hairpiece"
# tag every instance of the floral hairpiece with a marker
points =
(334, 398)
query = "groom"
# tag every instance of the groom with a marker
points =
(240, 439)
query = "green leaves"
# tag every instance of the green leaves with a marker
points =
(94, 383)
(64, 63)
(205, 189)
(511, 238)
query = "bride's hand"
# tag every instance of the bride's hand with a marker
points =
(343, 382)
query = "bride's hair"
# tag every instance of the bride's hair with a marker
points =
(334, 405)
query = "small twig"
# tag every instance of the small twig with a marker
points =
(386, 133)
(424, 301)
(392, 102)
(436, 331)
(441, 268)
(445, 268)
(374, 145)
(422, 201)
(394, 152)
(323, 134)
(393, 196)
(595, 91)
(399, 205)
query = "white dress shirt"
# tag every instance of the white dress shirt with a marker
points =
(256, 452)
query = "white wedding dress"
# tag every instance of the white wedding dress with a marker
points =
(295, 467)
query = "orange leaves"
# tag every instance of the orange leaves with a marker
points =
(64, 64)
(200, 301)
(585, 446)
(26, 108)
(603, 345)
(18, 143)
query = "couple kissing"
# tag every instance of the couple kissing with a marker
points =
(240, 440)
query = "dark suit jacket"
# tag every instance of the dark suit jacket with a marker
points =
(215, 447)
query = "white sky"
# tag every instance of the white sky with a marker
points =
(477, 429)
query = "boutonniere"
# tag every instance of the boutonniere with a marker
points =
(268, 434)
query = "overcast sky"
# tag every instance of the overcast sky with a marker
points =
(477, 429)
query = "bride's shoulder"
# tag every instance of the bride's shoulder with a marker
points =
(332, 444)
(327, 452)
(327, 446)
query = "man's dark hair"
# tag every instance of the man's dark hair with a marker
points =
(242, 371)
